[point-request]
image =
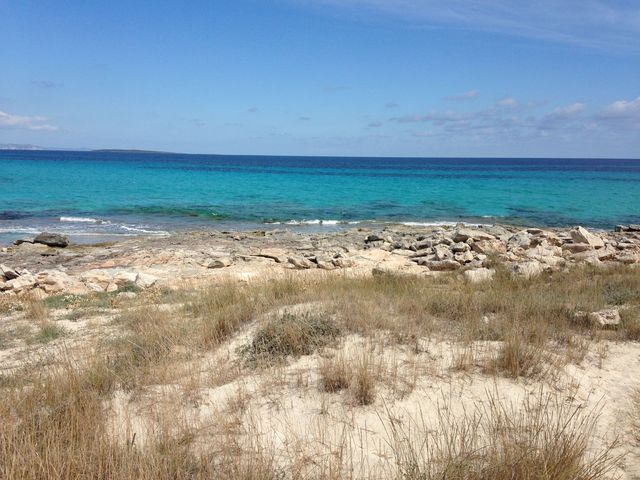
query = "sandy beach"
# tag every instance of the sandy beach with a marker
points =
(362, 353)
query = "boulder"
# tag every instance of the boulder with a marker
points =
(276, 254)
(460, 247)
(8, 273)
(219, 262)
(300, 262)
(633, 228)
(582, 235)
(463, 257)
(145, 280)
(489, 247)
(479, 275)
(527, 269)
(464, 234)
(521, 239)
(591, 256)
(607, 318)
(373, 238)
(439, 265)
(52, 240)
(342, 262)
(56, 281)
(576, 247)
(24, 282)
(442, 252)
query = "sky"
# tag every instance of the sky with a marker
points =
(497, 78)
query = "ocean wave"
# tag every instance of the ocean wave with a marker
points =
(313, 222)
(80, 220)
(143, 230)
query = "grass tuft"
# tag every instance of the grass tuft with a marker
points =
(291, 335)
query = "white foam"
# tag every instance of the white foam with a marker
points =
(142, 230)
(80, 220)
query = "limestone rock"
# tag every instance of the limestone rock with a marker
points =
(521, 239)
(8, 273)
(56, 281)
(527, 269)
(276, 254)
(300, 262)
(464, 234)
(219, 262)
(582, 235)
(145, 280)
(439, 265)
(460, 247)
(24, 282)
(479, 275)
(52, 240)
(342, 262)
(605, 318)
(576, 247)
(463, 257)
(489, 247)
(442, 253)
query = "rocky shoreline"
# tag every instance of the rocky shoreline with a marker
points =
(48, 265)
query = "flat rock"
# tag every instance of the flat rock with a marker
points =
(279, 255)
(23, 282)
(219, 262)
(300, 263)
(51, 240)
(489, 247)
(464, 234)
(439, 265)
(8, 273)
(576, 247)
(582, 235)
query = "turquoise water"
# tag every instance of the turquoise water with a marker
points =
(96, 193)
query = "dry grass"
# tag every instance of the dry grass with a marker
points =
(35, 309)
(290, 335)
(541, 439)
(335, 374)
(55, 421)
(363, 383)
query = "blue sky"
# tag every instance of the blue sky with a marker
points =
(324, 77)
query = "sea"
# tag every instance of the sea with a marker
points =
(100, 195)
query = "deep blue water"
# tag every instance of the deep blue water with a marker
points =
(95, 193)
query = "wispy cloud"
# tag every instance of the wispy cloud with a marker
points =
(470, 95)
(589, 23)
(335, 88)
(375, 124)
(510, 119)
(9, 121)
(390, 105)
(46, 84)
(508, 102)
(304, 118)
(252, 110)
(622, 109)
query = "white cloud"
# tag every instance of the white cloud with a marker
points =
(512, 120)
(610, 24)
(9, 121)
(470, 95)
(621, 109)
(507, 102)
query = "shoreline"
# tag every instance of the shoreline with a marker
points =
(196, 257)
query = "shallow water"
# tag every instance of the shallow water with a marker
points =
(93, 194)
